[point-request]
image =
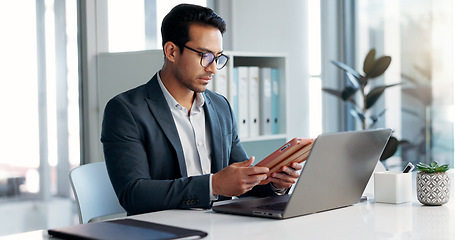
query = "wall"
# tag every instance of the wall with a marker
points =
(269, 26)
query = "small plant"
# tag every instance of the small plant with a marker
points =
(372, 67)
(432, 168)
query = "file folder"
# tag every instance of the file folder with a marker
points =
(233, 93)
(265, 104)
(253, 89)
(221, 82)
(243, 122)
(275, 101)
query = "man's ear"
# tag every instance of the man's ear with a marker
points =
(171, 51)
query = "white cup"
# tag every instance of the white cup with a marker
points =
(392, 187)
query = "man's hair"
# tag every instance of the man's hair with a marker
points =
(176, 24)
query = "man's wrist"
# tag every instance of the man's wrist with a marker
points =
(278, 191)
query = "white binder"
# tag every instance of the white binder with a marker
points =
(243, 123)
(221, 82)
(253, 88)
(265, 95)
(275, 101)
(233, 92)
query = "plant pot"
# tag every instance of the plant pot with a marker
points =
(433, 188)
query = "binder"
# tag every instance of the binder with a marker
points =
(221, 82)
(253, 89)
(265, 103)
(243, 122)
(233, 93)
(275, 101)
(124, 229)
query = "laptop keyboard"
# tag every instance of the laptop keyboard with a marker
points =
(274, 206)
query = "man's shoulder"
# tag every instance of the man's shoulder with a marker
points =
(131, 95)
(135, 94)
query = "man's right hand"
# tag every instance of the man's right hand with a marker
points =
(238, 178)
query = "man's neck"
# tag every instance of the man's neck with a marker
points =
(180, 93)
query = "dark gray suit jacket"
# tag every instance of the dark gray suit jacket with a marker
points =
(144, 156)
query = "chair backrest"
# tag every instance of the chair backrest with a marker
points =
(95, 196)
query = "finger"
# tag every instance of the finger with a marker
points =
(293, 166)
(282, 180)
(297, 166)
(290, 171)
(255, 179)
(257, 170)
(245, 163)
(287, 177)
(282, 177)
(280, 184)
(266, 181)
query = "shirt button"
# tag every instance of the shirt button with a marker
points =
(199, 143)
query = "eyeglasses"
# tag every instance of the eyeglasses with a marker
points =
(207, 58)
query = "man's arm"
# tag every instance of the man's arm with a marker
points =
(144, 171)
(238, 178)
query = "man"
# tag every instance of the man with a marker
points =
(172, 144)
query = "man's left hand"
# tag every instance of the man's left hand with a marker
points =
(287, 176)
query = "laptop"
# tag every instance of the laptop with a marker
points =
(334, 175)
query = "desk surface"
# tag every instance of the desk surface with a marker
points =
(365, 220)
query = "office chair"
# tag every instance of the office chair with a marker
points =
(95, 196)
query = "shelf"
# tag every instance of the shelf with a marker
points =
(138, 67)
(264, 138)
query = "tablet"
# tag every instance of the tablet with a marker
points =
(296, 150)
(124, 229)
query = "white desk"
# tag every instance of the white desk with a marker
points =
(366, 220)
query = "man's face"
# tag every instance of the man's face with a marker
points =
(188, 70)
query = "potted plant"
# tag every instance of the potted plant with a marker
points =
(372, 67)
(433, 184)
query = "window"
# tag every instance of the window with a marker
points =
(39, 102)
(419, 36)
(315, 83)
(135, 25)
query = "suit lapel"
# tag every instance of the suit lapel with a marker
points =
(159, 108)
(215, 129)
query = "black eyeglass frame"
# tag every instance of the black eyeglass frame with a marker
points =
(215, 58)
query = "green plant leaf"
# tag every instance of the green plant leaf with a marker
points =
(347, 93)
(374, 119)
(334, 92)
(442, 168)
(348, 69)
(432, 168)
(390, 148)
(379, 67)
(353, 80)
(358, 115)
(369, 61)
(423, 167)
(375, 93)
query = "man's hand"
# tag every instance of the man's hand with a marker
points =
(287, 176)
(238, 178)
